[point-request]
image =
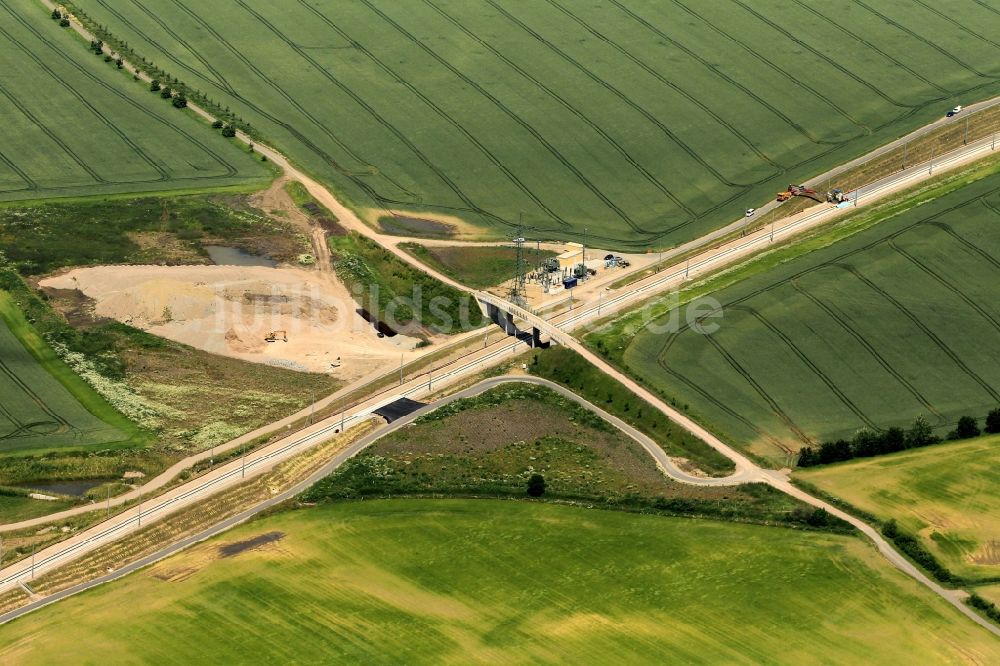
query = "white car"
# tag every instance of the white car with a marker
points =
(751, 211)
(954, 112)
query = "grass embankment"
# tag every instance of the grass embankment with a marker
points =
(521, 430)
(422, 581)
(813, 347)
(566, 367)
(46, 406)
(407, 299)
(591, 119)
(477, 267)
(76, 125)
(946, 494)
(148, 230)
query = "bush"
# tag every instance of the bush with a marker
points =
(154, 85)
(64, 22)
(166, 93)
(993, 421)
(967, 428)
(216, 124)
(536, 485)
(180, 101)
(229, 131)
(988, 608)
(56, 15)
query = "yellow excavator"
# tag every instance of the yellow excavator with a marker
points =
(273, 336)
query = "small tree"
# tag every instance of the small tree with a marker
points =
(890, 529)
(967, 428)
(166, 92)
(229, 131)
(180, 101)
(217, 124)
(818, 518)
(920, 434)
(64, 22)
(993, 422)
(154, 85)
(56, 15)
(536, 485)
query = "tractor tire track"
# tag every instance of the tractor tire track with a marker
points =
(922, 39)
(680, 143)
(827, 19)
(944, 282)
(841, 320)
(840, 68)
(742, 138)
(923, 328)
(771, 65)
(621, 150)
(764, 395)
(552, 150)
(229, 169)
(815, 369)
(373, 113)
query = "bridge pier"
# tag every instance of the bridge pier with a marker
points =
(505, 320)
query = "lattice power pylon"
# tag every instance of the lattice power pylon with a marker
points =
(517, 294)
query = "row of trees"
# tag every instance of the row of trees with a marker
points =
(215, 108)
(59, 16)
(867, 443)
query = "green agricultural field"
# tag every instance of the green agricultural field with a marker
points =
(424, 581)
(948, 494)
(76, 126)
(44, 405)
(636, 122)
(894, 322)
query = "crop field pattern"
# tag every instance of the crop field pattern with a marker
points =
(36, 411)
(74, 125)
(898, 321)
(641, 122)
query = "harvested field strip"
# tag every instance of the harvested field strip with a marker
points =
(873, 320)
(605, 118)
(81, 127)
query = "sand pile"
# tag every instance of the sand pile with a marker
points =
(230, 310)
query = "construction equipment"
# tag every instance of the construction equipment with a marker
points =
(798, 191)
(837, 196)
(274, 335)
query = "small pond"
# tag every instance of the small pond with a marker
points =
(74, 487)
(233, 256)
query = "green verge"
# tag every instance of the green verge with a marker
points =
(440, 581)
(383, 284)
(566, 367)
(479, 267)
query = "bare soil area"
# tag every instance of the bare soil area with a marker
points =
(231, 310)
